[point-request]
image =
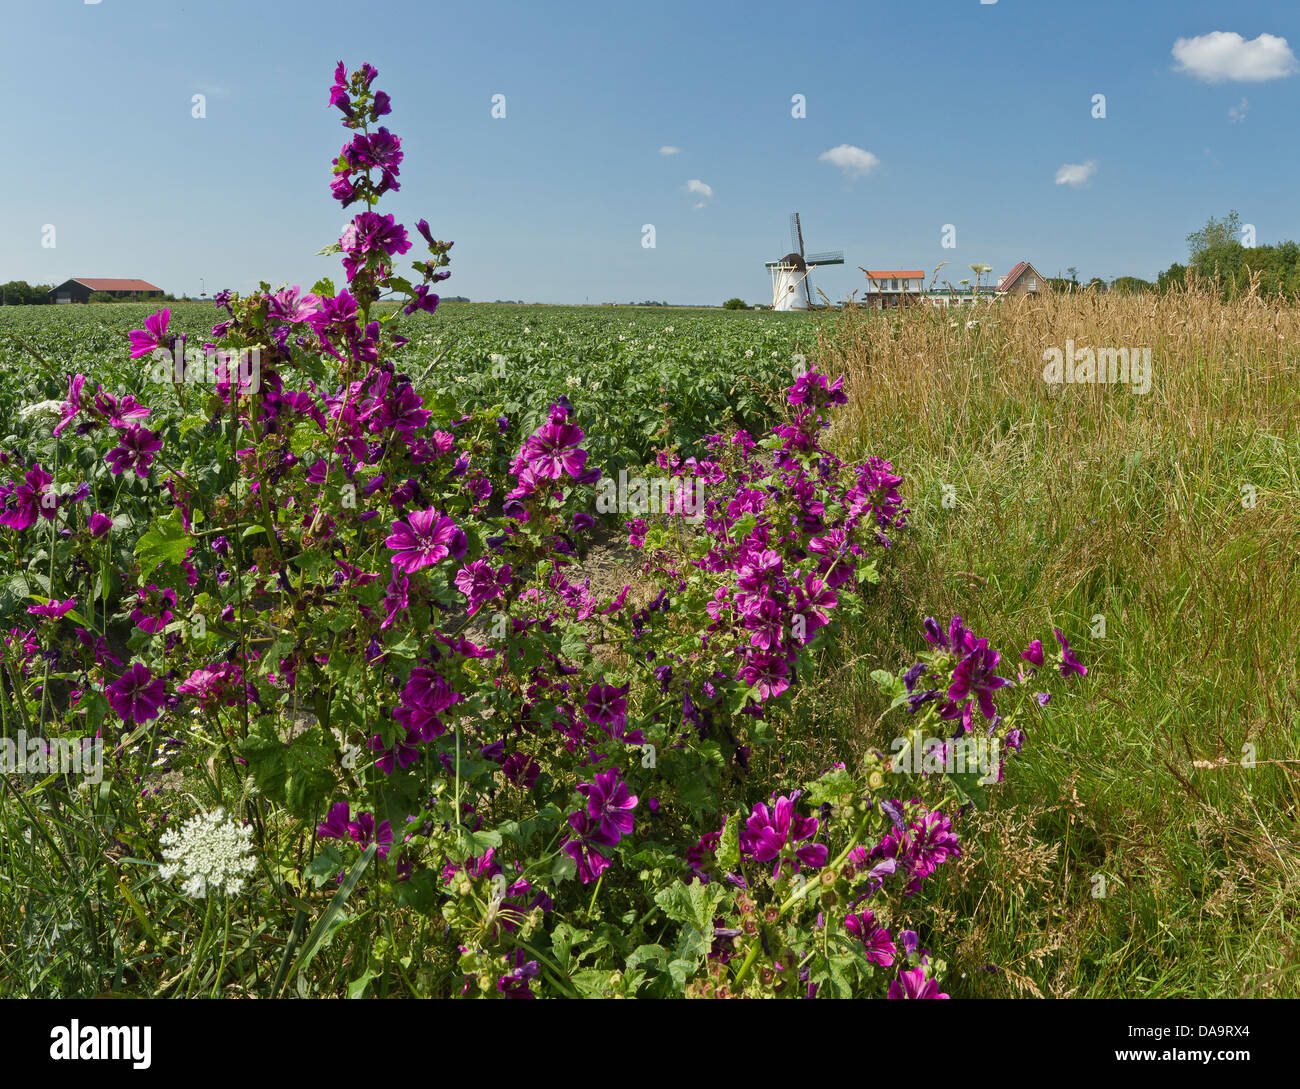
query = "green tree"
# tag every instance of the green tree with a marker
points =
(1215, 233)
(1173, 277)
(21, 293)
(735, 304)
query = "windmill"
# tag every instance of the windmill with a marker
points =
(791, 288)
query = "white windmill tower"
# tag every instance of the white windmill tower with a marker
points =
(791, 287)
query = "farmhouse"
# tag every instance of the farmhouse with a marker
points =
(1024, 279)
(79, 290)
(886, 290)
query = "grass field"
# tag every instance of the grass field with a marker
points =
(1175, 516)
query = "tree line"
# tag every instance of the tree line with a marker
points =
(21, 293)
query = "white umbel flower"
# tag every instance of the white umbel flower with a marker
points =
(42, 408)
(208, 852)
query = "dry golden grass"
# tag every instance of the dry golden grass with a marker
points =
(1087, 501)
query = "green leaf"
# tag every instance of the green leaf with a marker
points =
(325, 866)
(475, 843)
(694, 904)
(310, 776)
(728, 852)
(642, 954)
(831, 787)
(358, 987)
(573, 644)
(890, 684)
(593, 982)
(968, 788)
(164, 542)
(266, 755)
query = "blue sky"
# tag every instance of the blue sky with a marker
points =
(967, 111)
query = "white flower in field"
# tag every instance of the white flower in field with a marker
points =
(496, 358)
(526, 329)
(42, 408)
(461, 378)
(573, 382)
(621, 337)
(668, 329)
(208, 852)
(749, 353)
(774, 355)
(972, 324)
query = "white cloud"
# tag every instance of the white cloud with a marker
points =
(856, 162)
(1238, 112)
(699, 189)
(668, 149)
(1075, 174)
(1224, 55)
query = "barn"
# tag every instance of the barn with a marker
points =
(79, 290)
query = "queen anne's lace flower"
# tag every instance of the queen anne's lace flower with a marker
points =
(208, 852)
(41, 408)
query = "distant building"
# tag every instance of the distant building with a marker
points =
(960, 296)
(1024, 279)
(890, 289)
(80, 290)
(887, 290)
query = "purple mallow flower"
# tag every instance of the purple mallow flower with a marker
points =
(152, 337)
(1033, 653)
(1069, 663)
(425, 538)
(53, 610)
(878, 945)
(481, 584)
(136, 450)
(912, 983)
(610, 805)
(362, 830)
(973, 676)
(137, 696)
(769, 834)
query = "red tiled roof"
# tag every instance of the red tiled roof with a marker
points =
(1008, 281)
(906, 274)
(116, 285)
